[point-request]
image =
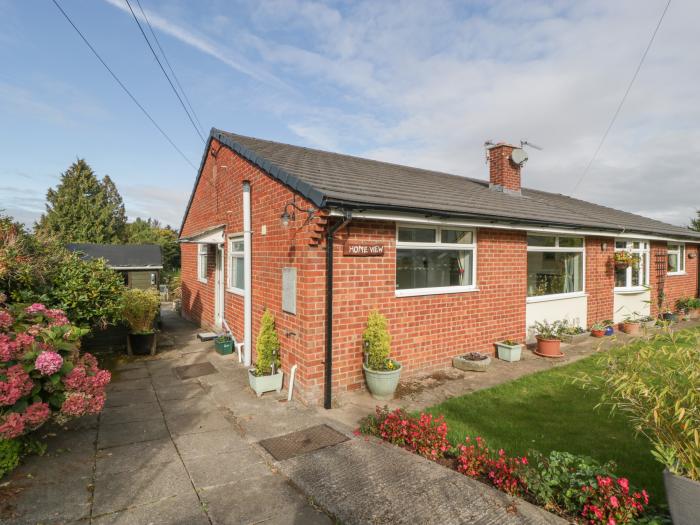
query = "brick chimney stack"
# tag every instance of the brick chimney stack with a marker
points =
(504, 174)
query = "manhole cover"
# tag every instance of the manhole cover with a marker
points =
(196, 370)
(302, 442)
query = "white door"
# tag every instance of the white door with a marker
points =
(219, 287)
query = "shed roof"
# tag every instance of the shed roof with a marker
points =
(122, 256)
(335, 180)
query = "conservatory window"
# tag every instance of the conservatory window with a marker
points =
(202, 253)
(434, 260)
(636, 275)
(554, 265)
(676, 258)
(235, 282)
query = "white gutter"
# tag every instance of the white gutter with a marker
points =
(247, 264)
(420, 219)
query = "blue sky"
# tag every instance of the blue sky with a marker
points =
(419, 83)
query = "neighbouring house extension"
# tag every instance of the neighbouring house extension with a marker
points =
(139, 264)
(454, 263)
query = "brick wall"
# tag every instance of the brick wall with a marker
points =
(600, 278)
(675, 286)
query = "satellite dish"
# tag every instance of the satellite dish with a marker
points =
(518, 156)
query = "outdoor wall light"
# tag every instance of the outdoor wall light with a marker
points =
(604, 246)
(288, 215)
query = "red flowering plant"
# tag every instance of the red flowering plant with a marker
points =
(502, 471)
(610, 501)
(424, 434)
(42, 372)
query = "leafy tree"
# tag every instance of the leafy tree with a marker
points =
(695, 223)
(83, 208)
(151, 231)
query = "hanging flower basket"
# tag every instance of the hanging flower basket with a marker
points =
(624, 260)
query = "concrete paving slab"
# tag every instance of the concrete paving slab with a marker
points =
(126, 414)
(220, 469)
(185, 391)
(184, 509)
(131, 384)
(47, 503)
(195, 405)
(131, 397)
(135, 456)
(120, 491)
(363, 481)
(210, 443)
(140, 372)
(133, 432)
(268, 499)
(181, 424)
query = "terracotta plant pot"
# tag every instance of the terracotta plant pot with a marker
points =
(598, 333)
(549, 348)
(631, 328)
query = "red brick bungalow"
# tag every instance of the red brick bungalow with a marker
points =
(454, 263)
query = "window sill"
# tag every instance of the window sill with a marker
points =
(413, 292)
(203, 281)
(676, 273)
(631, 291)
(236, 291)
(555, 297)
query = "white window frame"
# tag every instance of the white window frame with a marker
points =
(412, 292)
(202, 262)
(230, 254)
(680, 253)
(561, 249)
(645, 256)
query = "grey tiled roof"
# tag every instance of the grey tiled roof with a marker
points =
(122, 255)
(332, 179)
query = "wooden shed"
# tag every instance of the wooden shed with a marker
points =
(140, 264)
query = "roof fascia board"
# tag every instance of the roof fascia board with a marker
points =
(415, 219)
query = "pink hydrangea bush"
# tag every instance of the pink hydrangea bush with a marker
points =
(42, 372)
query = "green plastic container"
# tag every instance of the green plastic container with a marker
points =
(224, 347)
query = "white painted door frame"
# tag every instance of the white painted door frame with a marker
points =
(219, 286)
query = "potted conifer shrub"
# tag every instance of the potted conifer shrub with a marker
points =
(139, 311)
(381, 372)
(548, 338)
(267, 375)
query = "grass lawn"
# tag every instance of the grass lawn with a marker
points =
(546, 411)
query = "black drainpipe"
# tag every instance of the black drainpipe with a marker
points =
(328, 374)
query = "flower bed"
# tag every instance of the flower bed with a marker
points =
(42, 373)
(573, 486)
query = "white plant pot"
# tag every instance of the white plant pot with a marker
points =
(262, 384)
(683, 495)
(509, 353)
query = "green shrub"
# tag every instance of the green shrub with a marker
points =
(88, 291)
(656, 386)
(377, 341)
(10, 453)
(267, 346)
(555, 481)
(140, 309)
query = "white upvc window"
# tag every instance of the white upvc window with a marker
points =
(676, 258)
(434, 260)
(635, 276)
(235, 281)
(202, 256)
(555, 267)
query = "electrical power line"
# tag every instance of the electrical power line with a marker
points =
(121, 84)
(170, 67)
(622, 102)
(136, 19)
